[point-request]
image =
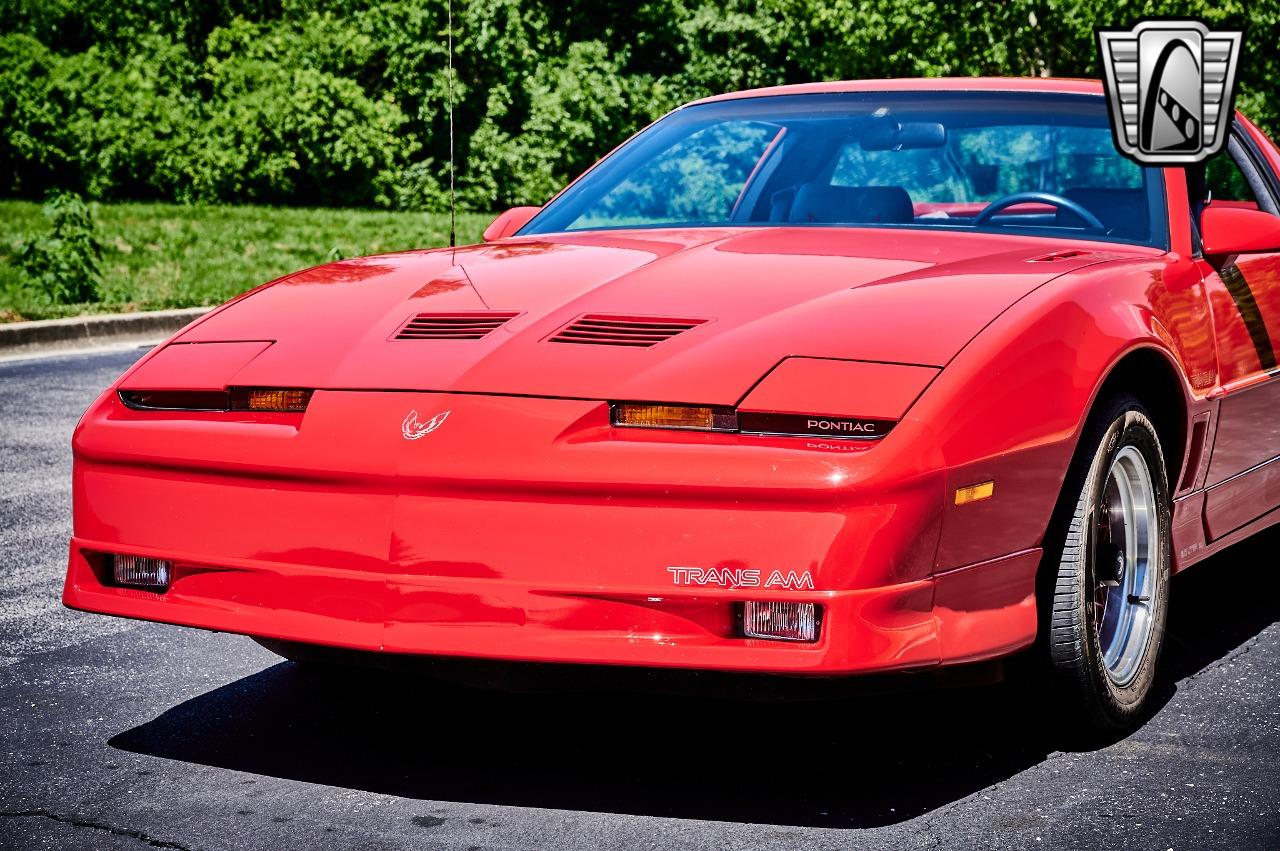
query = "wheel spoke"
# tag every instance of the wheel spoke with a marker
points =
(1125, 530)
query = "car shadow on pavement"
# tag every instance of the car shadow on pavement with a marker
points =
(860, 762)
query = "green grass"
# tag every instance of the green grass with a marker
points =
(166, 255)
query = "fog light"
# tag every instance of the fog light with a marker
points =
(139, 572)
(781, 621)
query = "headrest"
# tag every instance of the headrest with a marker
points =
(824, 204)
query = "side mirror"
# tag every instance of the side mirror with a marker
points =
(1234, 230)
(509, 222)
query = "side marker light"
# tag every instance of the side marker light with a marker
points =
(975, 493)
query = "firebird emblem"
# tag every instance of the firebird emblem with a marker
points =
(412, 429)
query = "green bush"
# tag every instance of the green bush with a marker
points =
(273, 132)
(64, 265)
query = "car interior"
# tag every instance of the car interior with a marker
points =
(1107, 210)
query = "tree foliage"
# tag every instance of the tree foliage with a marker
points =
(343, 102)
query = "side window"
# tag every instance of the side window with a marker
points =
(1225, 183)
(1230, 178)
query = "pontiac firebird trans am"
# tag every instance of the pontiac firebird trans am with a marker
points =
(816, 380)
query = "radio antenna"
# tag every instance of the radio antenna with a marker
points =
(453, 201)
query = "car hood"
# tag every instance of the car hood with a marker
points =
(757, 295)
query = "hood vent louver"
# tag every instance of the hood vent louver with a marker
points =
(600, 329)
(1058, 255)
(469, 325)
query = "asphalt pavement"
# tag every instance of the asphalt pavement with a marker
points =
(126, 735)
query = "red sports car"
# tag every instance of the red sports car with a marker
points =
(815, 380)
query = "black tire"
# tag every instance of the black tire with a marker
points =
(1092, 700)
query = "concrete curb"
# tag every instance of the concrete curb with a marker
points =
(81, 332)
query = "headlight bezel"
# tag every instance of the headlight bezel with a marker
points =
(727, 420)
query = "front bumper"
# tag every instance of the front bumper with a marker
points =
(978, 613)
(552, 541)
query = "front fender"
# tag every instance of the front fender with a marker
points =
(1010, 408)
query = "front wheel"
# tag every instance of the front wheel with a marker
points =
(1108, 571)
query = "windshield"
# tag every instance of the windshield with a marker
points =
(875, 159)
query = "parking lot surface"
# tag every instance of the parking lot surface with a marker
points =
(125, 735)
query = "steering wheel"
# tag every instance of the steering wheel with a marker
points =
(989, 211)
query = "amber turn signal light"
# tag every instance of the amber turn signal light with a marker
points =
(269, 399)
(975, 493)
(703, 417)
